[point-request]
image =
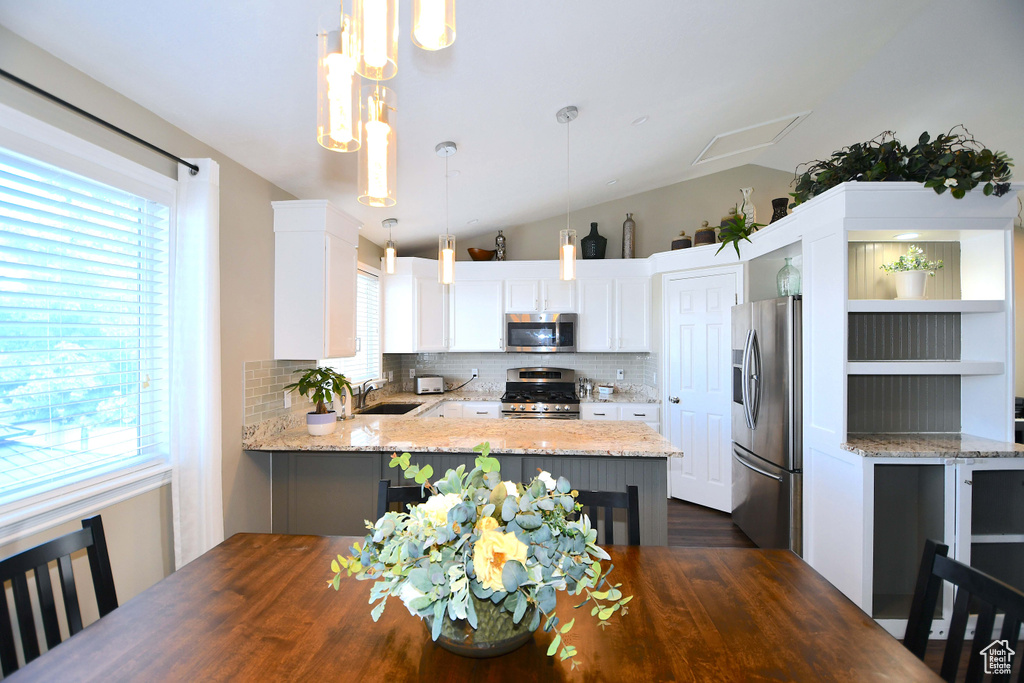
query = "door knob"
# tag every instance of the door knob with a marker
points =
(673, 399)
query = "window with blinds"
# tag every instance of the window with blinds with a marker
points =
(83, 328)
(366, 363)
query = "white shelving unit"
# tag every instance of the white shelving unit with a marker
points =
(924, 367)
(926, 306)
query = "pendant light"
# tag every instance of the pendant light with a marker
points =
(378, 154)
(567, 237)
(433, 24)
(338, 117)
(376, 24)
(446, 242)
(390, 251)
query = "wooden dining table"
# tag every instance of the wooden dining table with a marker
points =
(258, 607)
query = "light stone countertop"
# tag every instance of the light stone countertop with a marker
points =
(930, 446)
(397, 433)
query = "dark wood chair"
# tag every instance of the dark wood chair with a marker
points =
(388, 494)
(37, 560)
(974, 589)
(608, 501)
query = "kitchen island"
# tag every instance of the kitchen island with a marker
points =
(328, 484)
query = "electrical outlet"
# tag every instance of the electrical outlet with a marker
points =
(391, 375)
(474, 372)
(412, 373)
(287, 399)
(620, 374)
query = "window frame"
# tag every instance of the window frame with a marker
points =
(48, 144)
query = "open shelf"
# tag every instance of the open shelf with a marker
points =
(920, 367)
(925, 306)
(997, 538)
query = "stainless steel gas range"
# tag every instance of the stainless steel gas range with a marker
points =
(540, 393)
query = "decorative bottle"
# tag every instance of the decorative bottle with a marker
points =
(747, 207)
(594, 244)
(788, 279)
(499, 244)
(628, 237)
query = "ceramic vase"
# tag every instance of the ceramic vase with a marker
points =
(499, 246)
(496, 632)
(788, 279)
(594, 244)
(747, 207)
(321, 424)
(780, 209)
(628, 237)
(910, 284)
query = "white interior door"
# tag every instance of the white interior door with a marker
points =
(699, 408)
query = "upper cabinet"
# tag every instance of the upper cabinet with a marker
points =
(633, 314)
(615, 314)
(536, 296)
(477, 316)
(415, 311)
(315, 259)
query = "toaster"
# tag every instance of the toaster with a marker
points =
(429, 384)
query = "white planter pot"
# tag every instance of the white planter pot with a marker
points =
(321, 424)
(910, 284)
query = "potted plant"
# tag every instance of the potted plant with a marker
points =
(481, 560)
(735, 229)
(912, 272)
(320, 385)
(954, 161)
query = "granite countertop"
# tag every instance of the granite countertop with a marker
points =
(930, 446)
(617, 397)
(431, 400)
(397, 433)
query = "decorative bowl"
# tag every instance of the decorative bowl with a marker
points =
(481, 254)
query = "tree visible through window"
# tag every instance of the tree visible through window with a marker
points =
(83, 327)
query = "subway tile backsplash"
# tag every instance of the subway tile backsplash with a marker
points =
(264, 389)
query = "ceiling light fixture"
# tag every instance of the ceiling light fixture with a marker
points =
(567, 237)
(390, 250)
(433, 24)
(907, 236)
(376, 23)
(446, 242)
(378, 156)
(639, 121)
(338, 119)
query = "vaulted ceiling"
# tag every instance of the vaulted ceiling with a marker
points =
(240, 76)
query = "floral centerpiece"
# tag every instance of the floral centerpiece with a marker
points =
(480, 561)
(911, 271)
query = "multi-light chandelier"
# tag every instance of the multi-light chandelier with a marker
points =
(354, 118)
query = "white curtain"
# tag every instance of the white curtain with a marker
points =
(195, 422)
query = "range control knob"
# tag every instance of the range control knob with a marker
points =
(521, 407)
(565, 407)
(558, 407)
(533, 407)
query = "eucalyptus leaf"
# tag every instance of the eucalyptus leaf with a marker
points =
(513, 575)
(555, 642)
(521, 606)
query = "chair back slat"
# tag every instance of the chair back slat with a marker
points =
(629, 500)
(982, 637)
(67, 588)
(47, 606)
(26, 621)
(37, 560)
(926, 596)
(8, 656)
(388, 494)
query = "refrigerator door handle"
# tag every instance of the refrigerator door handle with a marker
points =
(745, 384)
(755, 379)
(746, 464)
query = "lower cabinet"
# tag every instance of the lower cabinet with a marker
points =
(471, 409)
(649, 413)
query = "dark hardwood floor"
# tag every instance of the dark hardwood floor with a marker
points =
(695, 526)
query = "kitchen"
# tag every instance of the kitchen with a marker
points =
(247, 282)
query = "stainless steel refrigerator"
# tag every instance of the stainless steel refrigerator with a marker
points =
(767, 424)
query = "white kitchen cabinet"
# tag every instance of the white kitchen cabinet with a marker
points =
(633, 314)
(451, 409)
(648, 413)
(415, 309)
(540, 296)
(472, 409)
(477, 312)
(595, 329)
(431, 314)
(436, 411)
(315, 260)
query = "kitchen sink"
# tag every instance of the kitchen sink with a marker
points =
(389, 409)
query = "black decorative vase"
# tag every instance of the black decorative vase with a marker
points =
(593, 245)
(780, 209)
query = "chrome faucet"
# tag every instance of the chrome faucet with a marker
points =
(364, 391)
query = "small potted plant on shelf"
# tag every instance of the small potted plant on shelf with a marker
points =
(735, 229)
(320, 385)
(912, 272)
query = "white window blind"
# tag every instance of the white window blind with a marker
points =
(366, 363)
(83, 328)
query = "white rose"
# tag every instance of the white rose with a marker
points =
(549, 481)
(510, 488)
(950, 182)
(408, 593)
(435, 510)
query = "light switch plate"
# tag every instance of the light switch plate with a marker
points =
(287, 399)
(412, 373)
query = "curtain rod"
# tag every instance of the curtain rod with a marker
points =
(193, 169)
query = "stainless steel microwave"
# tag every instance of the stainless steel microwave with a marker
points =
(540, 332)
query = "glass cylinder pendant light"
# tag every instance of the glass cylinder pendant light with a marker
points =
(338, 117)
(377, 27)
(433, 24)
(378, 154)
(446, 242)
(567, 255)
(567, 237)
(390, 250)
